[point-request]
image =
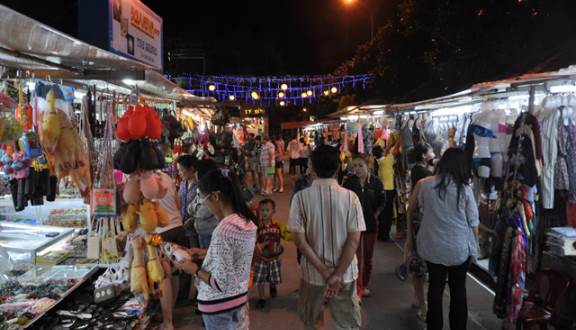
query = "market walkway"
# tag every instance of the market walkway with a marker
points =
(388, 308)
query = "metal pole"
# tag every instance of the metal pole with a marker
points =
(371, 26)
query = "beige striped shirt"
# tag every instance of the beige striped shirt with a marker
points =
(326, 213)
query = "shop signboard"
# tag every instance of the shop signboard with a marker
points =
(253, 113)
(135, 31)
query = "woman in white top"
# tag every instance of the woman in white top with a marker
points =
(223, 278)
(293, 150)
(304, 155)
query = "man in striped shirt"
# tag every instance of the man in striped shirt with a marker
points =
(327, 221)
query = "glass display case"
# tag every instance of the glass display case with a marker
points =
(63, 212)
(27, 298)
(22, 244)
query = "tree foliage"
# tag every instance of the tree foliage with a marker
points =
(433, 47)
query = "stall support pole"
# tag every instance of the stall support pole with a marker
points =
(531, 99)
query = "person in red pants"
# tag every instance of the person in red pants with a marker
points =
(371, 194)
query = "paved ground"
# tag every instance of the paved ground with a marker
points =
(388, 308)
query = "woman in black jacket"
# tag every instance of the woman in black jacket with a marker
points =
(370, 191)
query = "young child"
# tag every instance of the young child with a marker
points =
(268, 250)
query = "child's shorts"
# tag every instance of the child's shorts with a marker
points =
(267, 271)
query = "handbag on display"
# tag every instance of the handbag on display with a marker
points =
(110, 250)
(114, 280)
(93, 244)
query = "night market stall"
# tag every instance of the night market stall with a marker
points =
(519, 135)
(70, 115)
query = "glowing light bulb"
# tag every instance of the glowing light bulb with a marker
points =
(334, 90)
(304, 110)
(309, 93)
(282, 103)
(211, 88)
(231, 97)
(281, 95)
(284, 87)
(326, 92)
(304, 95)
(255, 95)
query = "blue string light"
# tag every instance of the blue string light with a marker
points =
(264, 90)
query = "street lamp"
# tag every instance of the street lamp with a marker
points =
(352, 2)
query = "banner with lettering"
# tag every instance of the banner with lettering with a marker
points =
(136, 31)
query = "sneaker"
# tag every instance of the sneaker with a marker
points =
(260, 304)
(273, 291)
(366, 292)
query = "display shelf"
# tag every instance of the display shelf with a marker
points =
(61, 210)
(32, 239)
(69, 272)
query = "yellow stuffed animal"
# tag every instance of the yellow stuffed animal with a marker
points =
(138, 276)
(129, 218)
(154, 267)
(50, 126)
(148, 216)
(163, 219)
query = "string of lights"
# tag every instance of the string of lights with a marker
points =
(279, 91)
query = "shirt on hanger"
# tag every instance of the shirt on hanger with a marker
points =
(386, 171)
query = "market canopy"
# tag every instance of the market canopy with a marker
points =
(517, 87)
(30, 49)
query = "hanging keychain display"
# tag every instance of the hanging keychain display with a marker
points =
(104, 192)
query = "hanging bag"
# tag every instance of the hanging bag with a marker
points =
(104, 192)
(93, 243)
(110, 251)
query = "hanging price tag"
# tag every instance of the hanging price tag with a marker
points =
(104, 202)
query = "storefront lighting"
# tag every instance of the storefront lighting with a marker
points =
(563, 89)
(281, 95)
(518, 97)
(129, 82)
(284, 87)
(255, 95)
(31, 85)
(334, 90)
(458, 110)
(350, 118)
(231, 97)
(79, 94)
(309, 93)
(282, 103)
(326, 92)
(211, 88)
(304, 95)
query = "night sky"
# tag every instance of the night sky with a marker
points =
(250, 37)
